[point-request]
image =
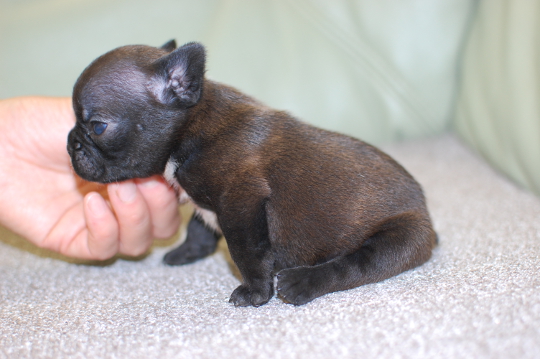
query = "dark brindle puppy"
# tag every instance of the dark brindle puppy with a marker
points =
(323, 211)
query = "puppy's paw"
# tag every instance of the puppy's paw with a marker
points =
(182, 255)
(300, 285)
(189, 252)
(244, 295)
(200, 242)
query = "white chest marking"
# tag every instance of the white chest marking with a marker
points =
(169, 173)
(208, 217)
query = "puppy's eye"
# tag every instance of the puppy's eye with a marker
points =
(98, 127)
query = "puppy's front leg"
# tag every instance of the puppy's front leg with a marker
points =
(201, 241)
(246, 231)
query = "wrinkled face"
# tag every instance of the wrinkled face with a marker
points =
(121, 131)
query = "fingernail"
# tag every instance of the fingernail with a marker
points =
(126, 191)
(96, 205)
(150, 183)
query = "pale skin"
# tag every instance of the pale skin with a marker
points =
(44, 201)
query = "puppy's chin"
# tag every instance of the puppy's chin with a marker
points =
(95, 169)
(102, 174)
(91, 172)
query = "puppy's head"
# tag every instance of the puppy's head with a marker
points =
(130, 105)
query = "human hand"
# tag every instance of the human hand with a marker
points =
(42, 199)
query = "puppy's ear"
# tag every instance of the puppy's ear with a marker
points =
(169, 46)
(178, 77)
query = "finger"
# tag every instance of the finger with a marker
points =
(133, 218)
(102, 228)
(163, 206)
(87, 230)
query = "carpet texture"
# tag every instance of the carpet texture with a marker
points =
(478, 297)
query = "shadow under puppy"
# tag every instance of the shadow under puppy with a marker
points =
(323, 211)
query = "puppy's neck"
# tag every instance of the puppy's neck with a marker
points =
(220, 108)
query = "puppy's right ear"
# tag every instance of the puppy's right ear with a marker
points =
(178, 77)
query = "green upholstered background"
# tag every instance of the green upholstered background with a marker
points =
(382, 70)
(498, 109)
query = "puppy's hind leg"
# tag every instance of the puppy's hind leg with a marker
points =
(201, 241)
(399, 244)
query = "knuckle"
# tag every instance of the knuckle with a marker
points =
(165, 232)
(138, 218)
(168, 228)
(102, 256)
(135, 250)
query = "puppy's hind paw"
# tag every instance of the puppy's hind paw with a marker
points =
(300, 285)
(245, 296)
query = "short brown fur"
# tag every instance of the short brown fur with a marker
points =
(322, 211)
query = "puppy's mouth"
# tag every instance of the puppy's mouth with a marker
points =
(84, 166)
(85, 163)
(89, 169)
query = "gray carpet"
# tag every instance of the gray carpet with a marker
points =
(479, 296)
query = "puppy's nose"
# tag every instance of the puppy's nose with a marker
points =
(73, 143)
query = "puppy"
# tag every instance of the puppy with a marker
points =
(322, 211)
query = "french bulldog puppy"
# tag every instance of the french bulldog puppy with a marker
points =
(321, 211)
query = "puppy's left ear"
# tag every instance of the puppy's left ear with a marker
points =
(178, 77)
(169, 46)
